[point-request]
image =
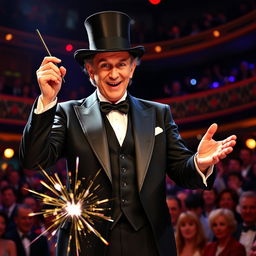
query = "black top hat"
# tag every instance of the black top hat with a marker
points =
(108, 32)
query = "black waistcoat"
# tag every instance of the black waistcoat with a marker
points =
(124, 179)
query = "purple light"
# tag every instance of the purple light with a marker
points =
(215, 84)
(231, 79)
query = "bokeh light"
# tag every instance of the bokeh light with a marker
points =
(8, 153)
(158, 48)
(8, 37)
(250, 143)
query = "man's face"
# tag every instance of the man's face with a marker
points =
(8, 198)
(248, 210)
(23, 221)
(174, 210)
(111, 72)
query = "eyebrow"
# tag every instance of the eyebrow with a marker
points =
(103, 60)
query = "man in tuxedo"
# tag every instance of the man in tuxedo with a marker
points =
(135, 142)
(246, 232)
(23, 236)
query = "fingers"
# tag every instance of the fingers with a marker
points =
(210, 132)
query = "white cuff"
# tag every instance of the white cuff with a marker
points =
(206, 175)
(40, 107)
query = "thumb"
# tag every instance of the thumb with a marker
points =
(210, 132)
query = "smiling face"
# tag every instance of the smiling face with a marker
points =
(221, 228)
(188, 229)
(112, 72)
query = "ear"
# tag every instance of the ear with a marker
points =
(133, 66)
(90, 70)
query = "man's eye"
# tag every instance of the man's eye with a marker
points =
(122, 64)
(104, 65)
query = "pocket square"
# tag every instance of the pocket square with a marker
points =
(158, 130)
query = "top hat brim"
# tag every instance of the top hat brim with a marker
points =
(82, 54)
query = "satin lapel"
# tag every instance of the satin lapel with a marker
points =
(143, 119)
(92, 124)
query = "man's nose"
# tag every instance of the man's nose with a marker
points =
(113, 74)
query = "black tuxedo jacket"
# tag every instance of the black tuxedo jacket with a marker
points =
(76, 128)
(38, 248)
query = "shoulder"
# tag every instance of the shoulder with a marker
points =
(148, 103)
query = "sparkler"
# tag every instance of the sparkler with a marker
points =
(79, 205)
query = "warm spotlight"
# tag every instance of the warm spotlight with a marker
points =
(69, 47)
(154, 2)
(216, 33)
(8, 37)
(250, 143)
(158, 48)
(8, 153)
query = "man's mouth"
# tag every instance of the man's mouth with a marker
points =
(113, 84)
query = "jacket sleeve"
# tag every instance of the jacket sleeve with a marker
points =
(180, 160)
(43, 138)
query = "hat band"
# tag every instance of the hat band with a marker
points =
(110, 43)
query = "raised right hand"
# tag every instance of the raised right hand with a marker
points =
(49, 78)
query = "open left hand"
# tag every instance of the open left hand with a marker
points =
(210, 152)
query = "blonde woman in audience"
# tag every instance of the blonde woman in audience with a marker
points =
(223, 224)
(190, 238)
(7, 247)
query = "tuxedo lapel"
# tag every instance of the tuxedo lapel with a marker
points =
(143, 119)
(90, 119)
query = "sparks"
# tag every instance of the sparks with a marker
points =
(79, 204)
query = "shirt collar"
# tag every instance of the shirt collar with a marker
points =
(103, 99)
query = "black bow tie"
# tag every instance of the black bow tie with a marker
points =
(122, 107)
(247, 228)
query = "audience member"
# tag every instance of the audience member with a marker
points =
(22, 235)
(223, 224)
(9, 204)
(228, 199)
(195, 203)
(7, 247)
(209, 197)
(246, 232)
(174, 205)
(190, 238)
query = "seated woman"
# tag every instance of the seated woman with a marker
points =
(223, 224)
(190, 238)
(7, 247)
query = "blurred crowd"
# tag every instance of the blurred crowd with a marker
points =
(220, 221)
(211, 77)
(205, 222)
(65, 19)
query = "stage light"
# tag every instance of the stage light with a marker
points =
(158, 48)
(250, 143)
(8, 153)
(8, 37)
(216, 33)
(154, 2)
(193, 81)
(69, 47)
(215, 84)
(231, 79)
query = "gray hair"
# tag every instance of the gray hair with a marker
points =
(227, 214)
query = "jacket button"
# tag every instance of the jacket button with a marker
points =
(123, 170)
(122, 156)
